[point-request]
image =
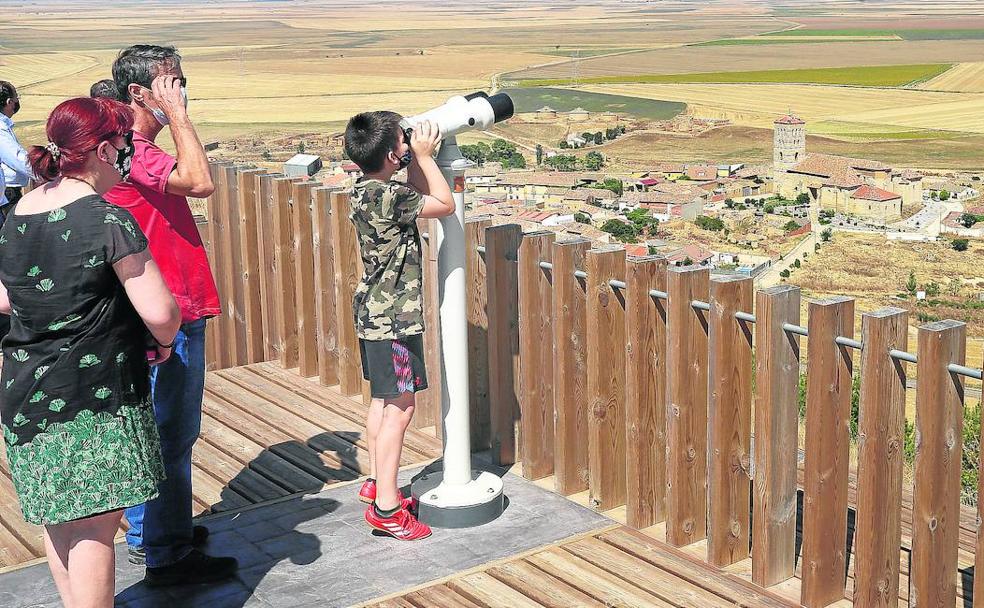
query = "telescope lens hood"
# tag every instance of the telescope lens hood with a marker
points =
(502, 106)
(476, 95)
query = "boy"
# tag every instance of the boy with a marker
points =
(388, 304)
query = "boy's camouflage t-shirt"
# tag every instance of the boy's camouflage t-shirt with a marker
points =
(388, 301)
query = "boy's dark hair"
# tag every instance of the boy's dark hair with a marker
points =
(105, 88)
(369, 136)
(141, 64)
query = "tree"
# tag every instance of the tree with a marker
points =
(944, 195)
(539, 154)
(729, 203)
(816, 247)
(969, 219)
(587, 136)
(769, 208)
(266, 155)
(623, 232)
(932, 289)
(826, 235)
(473, 153)
(300, 147)
(562, 162)
(642, 220)
(613, 184)
(710, 223)
(513, 161)
(796, 263)
(594, 161)
(564, 145)
(910, 284)
(790, 226)
(803, 198)
(687, 261)
(598, 138)
(582, 218)
(960, 244)
(784, 274)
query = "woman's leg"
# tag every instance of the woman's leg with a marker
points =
(56, 546)
(91, 563)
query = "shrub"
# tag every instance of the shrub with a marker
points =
(784, 274)
(710, 223)
(960, 244)
(790, 226)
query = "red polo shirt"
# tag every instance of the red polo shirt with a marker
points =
(170, 228)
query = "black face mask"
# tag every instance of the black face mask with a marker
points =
(124, 156)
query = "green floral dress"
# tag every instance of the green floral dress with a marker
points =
(75, 389)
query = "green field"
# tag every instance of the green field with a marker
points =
(790, 40)
(871, 76)
(563, 100)
(907, 34)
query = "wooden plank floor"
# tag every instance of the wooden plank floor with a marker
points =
(614, 567)
(266, 433)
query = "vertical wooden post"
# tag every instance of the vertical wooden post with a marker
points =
(828, 451)
(939, 429)
(218, 227)
(880, 448)
(429, 401)
(777, 355)
(324, 281)
(235, 297)
(266, 240)
(249, 192)
(536, 355)
(686, 415)
(729, 414)
(570, 369)
(501, 251)
(606, 378)
(211, 342)
(347, 276)
(283, 236)
(304, 285)
(645, 392)
(979, 545)
(478, 332)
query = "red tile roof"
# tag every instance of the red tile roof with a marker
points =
(649, 181)
(789, 119)
(702, 172)
(696, 253)
(871, 193)
(826, 165)
(637, 250)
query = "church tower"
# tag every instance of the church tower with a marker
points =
(788, 142)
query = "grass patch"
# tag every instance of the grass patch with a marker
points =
(876, 76)
(907, 34)
(564, 100)
(790, 40)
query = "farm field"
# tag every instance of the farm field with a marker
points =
(962, 78)
(871, 76)
(565, 100)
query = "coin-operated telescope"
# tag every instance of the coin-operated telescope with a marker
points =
(459, 496)
(462, 113)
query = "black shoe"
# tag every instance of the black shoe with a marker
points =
(194, 568)
(138, 557)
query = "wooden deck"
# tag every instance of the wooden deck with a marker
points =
(266, 433)
(615, 567)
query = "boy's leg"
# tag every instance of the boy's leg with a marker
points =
(397, 413)
(374, 419)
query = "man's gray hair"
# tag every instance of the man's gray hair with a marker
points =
(140, 64)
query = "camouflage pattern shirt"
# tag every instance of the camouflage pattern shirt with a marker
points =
(388, 302)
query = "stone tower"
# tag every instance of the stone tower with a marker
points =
(788, 142)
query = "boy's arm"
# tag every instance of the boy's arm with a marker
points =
(425, 176)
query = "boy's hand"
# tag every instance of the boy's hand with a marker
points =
(424, 139)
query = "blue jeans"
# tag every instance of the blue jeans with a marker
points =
(163, 525)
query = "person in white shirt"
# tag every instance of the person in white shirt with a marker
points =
(15, 172)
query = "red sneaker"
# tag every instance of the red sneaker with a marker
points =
(402, 525)
(367, 494)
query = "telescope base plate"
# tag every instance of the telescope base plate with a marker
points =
(472, 504)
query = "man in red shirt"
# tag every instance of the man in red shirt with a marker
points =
(150, 79)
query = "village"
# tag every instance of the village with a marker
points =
(751, 219)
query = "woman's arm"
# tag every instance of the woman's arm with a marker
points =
(144, 285)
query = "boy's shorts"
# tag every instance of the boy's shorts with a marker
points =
(393, 367)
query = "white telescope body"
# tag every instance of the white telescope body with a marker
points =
(465, 112)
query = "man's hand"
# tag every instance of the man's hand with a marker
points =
(424, 139)
(167, 92)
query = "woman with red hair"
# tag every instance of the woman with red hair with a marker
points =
(85, 299)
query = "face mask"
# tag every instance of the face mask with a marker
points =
(406, 159)
(184, 94)
(160, 116)
(124, 156)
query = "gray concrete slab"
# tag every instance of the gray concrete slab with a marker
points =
(317, 550)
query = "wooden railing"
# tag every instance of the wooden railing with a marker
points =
(640, 382)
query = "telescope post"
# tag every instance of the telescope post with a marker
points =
(459, 496)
